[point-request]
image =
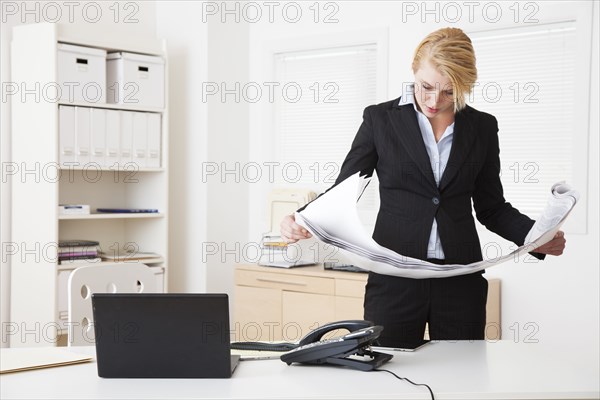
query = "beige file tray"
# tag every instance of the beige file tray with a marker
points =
(24, 359)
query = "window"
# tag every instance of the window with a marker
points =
(527, 81)
(324, 94)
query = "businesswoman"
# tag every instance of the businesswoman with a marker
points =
(433, 155)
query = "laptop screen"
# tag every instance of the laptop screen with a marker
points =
(162, 335)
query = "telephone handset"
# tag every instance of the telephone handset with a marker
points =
(350, 325)
(337, 351)
(313, 336)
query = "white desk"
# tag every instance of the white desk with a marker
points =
(459, 370)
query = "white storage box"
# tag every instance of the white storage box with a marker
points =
(81, 74)
(136, 79)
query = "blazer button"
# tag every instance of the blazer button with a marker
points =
(435, 201)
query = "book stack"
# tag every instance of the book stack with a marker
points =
(78, 252)
(127, 210)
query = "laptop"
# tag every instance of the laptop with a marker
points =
(162, 335)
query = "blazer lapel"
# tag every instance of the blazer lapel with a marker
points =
(405, 125)
(464, 135)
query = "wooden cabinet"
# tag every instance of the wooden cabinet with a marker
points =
(285, 304)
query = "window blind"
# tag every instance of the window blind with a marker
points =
(526, 80)
(317, 122)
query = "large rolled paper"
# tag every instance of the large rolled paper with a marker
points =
(333, 219)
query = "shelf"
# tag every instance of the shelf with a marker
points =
(113, 106)
(111, 216)
(65, 33)
(68, 267)
(120, 168)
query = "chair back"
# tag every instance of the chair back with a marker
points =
(104, 278)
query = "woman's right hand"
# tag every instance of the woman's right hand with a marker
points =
(291, 232)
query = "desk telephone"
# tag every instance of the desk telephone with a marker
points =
(338, 351)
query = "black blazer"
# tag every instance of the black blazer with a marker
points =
(389, 140)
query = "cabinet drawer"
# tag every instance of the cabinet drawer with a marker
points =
(304, 312)
(289, 282)
(256, 314)
(348, 288)
(348, 308)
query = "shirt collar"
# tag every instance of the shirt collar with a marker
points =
(408, 95)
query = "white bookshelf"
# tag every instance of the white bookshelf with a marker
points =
(37, 227)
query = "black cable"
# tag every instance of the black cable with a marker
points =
(262, 346)
(408, 380)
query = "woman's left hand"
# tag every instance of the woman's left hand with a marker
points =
(555, 247)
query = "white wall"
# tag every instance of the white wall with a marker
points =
(227, 151)
(178, 23)
(558, 297)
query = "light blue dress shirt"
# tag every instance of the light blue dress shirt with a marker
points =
(438, 156)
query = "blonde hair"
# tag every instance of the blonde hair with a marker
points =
(451, 53)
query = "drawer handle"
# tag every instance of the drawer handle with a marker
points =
(280, 281)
